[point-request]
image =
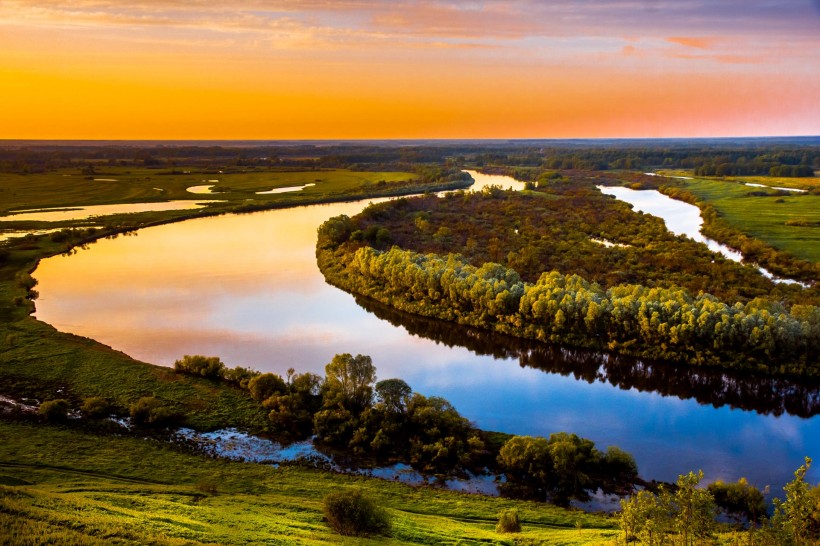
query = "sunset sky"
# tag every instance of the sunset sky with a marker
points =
(286, 69)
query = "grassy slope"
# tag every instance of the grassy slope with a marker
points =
(64, 486)
(765, 217)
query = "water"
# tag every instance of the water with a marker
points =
(82, 213)
(680, 218)
(246, 288)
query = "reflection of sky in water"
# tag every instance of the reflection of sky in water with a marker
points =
(246, 288)
(82, 213)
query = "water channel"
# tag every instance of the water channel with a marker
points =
(246, 288)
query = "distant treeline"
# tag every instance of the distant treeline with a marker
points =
(776, 157)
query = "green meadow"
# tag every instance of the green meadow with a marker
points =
(64, 486)
(108, 185)
(788, 221)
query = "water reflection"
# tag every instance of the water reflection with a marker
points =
(771, 395)
(83, 213)
(246, 288)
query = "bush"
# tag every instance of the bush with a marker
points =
(95, 407)
(204, 366)
(149, 410)
(350, 513)
(508, 522)
(54, 410)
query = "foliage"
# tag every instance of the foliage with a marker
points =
(348, 382)
(126, 490)
(55, 410)
(350, 513)
(263, 386)
(204, 366)
(508, 522)
(683, 515)
(740, 500)
(562, 468)
(151, 411)
(649, 322)
(96, 407)
(796, 520)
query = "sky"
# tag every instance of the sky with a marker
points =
(353, 69)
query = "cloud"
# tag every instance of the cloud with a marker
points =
(689, 41)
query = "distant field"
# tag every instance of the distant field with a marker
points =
(70, 187)
(60, 486)
(786, 220)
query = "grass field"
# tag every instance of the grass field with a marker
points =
(132, 185)
(785, 220)
(63, 486)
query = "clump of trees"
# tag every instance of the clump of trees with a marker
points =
(386, 420)
(685, 513)
(658, 323)
(563, 468)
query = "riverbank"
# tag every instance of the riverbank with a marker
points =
(79, 487)
(744, 322)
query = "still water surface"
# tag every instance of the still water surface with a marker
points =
(246, 288)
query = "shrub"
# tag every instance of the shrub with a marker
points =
(204, 366)
(350, 513)
(149, 410)
(508, 522)
(54, 410)
(95, 407)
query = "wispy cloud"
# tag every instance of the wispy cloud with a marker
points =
(692, 41)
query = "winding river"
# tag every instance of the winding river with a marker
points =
(246, 288)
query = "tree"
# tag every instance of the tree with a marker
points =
(796, 520)
(618, 471)
(348, 382)
(527, 464)
(265, 385)
(740, 500)
(393, 395)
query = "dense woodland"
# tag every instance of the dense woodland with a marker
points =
(772, 156)
(526, 264)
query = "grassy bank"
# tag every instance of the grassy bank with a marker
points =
(787, 221)
(59, 485)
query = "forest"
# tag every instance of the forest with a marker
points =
(528, 265)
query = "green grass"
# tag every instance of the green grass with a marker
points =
(766, 217)
(69, 187)
(59, 485)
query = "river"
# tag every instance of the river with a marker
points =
(246, 288)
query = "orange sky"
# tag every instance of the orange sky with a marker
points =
(176, 69)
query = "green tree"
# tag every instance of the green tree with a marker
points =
(263, 386)
(527, 465)
(796, 520)
(740, 500)
(393, 394)
(349, 382)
